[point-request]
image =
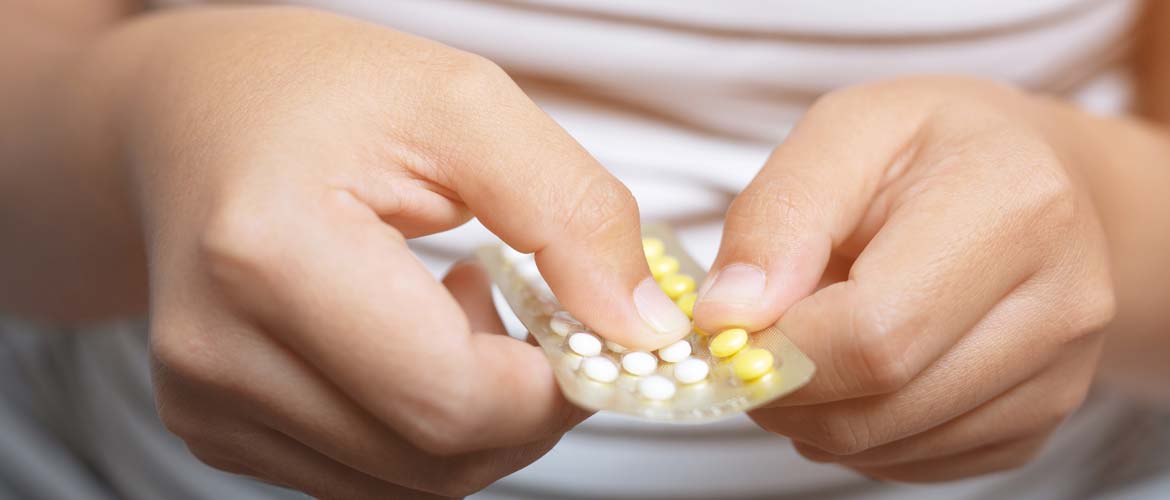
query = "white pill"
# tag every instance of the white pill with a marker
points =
(585, 344)
(691, 370)
(639, 363)
(615, 347)
(600, 369)
(656, 387)
(562, 323)
(675, 352)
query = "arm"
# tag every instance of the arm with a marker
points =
(72, 249)
(1133, 195)
(978, 247)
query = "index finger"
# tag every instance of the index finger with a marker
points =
(530, 183)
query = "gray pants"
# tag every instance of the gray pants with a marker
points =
(77, 422)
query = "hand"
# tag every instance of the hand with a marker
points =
(930, 243)
(283, 157)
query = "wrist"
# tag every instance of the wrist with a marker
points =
(1126, 165)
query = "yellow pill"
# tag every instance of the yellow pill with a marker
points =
(728, 342)
(663, 265)
(687, 303)
(653, 248)
(677, 285)
(752, 364)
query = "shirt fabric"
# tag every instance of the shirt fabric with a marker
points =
(683, 101)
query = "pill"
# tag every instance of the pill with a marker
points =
(691, 370)
(562, 323)
(600, 369)
(728, 342)
(653, 247)
(615, 347)
(752, 364)
(663, 265)
(675, 352)
(585, 344)
(677, 285)
(639, 363)
(656, 387)
(687, 303)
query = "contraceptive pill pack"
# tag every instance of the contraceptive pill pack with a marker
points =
(697, 379)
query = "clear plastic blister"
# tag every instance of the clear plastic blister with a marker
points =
(698, 387)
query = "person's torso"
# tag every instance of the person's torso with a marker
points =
(684, 100)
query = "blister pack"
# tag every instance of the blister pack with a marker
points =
(697, 379)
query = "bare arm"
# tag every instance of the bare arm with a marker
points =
(71, 248)
(1134, 199)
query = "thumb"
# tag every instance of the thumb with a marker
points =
(807, 200)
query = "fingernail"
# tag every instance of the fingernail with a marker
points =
(735, 283)
(657, 310)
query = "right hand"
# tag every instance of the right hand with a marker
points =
(281, 159)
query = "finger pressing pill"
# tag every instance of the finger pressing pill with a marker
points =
(687, 304)
(728, 342)
(639, 363)
(600, 369)
(653, 248)
(562, 323)
(585, 344)
(691, 370)
(752, 364)
(664, 265)
(677, 285)
(675, 352)
(656, 387)
(615, 347)
(704, 377)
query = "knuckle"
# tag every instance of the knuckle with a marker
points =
(178, 422)
(880, 348)
(1098, 308)
(814, 454)
(444, 431)
(467, 81)
(182, 356)
(603, 204)
(784, 209)
(440, 440)
(215, 460)
(843, 435)
(238, 245)
(1053, 195)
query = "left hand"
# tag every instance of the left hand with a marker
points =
(960, 273)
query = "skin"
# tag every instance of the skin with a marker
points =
(252, 175)
(295, 337)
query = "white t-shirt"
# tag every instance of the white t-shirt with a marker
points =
(683, 100)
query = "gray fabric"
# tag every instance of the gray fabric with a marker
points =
(77, 422)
